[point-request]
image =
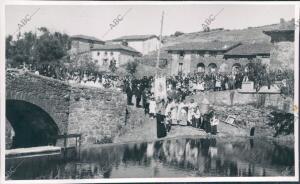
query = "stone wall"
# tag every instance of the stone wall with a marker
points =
(190, 62)
(93, 112)
(48, 94)
(282, 55)
(222, 98)
(96, 113)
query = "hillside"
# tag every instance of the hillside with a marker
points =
(248, 35)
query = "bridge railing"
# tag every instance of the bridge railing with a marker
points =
(65, 138)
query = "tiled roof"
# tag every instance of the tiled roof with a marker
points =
(115, 47)
(86, 38)
(288, 26)
(203, 46)
(153, 55)
(251, 49)
(134, 37)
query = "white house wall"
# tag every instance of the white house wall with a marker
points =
(143, 46)
(121, 57)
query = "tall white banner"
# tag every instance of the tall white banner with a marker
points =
(160, 88)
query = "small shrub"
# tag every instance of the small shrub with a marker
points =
(105, 140)
(131, 67)
(178, 33)
(282, 122)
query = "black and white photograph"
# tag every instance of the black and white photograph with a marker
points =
(149, 91)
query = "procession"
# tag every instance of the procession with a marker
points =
(193, 91)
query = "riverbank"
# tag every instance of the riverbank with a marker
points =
(141, 128)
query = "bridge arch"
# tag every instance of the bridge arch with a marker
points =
(32, 125)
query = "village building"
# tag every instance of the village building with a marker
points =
(200, 57)
(142, 43)
(282, 39)
(104, 55)
(253, 51)
(83, 43)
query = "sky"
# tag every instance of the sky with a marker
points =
(96, 20)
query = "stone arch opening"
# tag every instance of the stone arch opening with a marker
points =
(200, 67)
(32, 125)
(212, 67)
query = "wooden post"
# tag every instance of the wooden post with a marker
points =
(65, 144)
(159, 44)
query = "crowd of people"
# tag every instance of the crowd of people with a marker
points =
(172, 110)
(76, 76)
(168, 111)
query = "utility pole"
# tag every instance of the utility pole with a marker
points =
(159, 44)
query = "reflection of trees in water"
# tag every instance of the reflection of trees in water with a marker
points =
(203, 157)
(197, 155)
(282, 155)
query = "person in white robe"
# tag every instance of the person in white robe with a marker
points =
(182, 113)
(191, 111)
(152, 107)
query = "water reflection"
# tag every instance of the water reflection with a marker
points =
(167, 158)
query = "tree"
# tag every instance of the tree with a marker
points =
(9, 46)
(83, 62)
(178, 33)
(131, 67)
(257, 72)
(31, 48)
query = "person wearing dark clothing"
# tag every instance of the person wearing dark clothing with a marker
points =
(206, 122)
(138, 94)
(144, 83)
(160, 118)
(145, 98)
(129, 92)
(160, 129)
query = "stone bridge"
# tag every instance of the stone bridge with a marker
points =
(39, 108)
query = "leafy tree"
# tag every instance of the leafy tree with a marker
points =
(178, 33)
(31, 48)
(282, 122)
(9, 46)
(131, 67)
(83, 62)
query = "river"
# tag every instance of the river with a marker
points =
(182, 157)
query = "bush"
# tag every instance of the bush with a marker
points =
(282, 122)
(131, 67)
(178, 33)
(105, 140)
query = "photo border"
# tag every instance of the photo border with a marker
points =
(120, 180)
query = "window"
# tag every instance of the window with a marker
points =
(213, 54)
(181, 53)
(199, 53)
(180, 67)
(91, 44)
(206, 54)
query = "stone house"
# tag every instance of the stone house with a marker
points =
(198, 56)
(216, 56)
(282, 39)
(82, 43)
(103, 55)
(250, 52)
(142, 43)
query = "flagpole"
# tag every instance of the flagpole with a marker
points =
(159, 44)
